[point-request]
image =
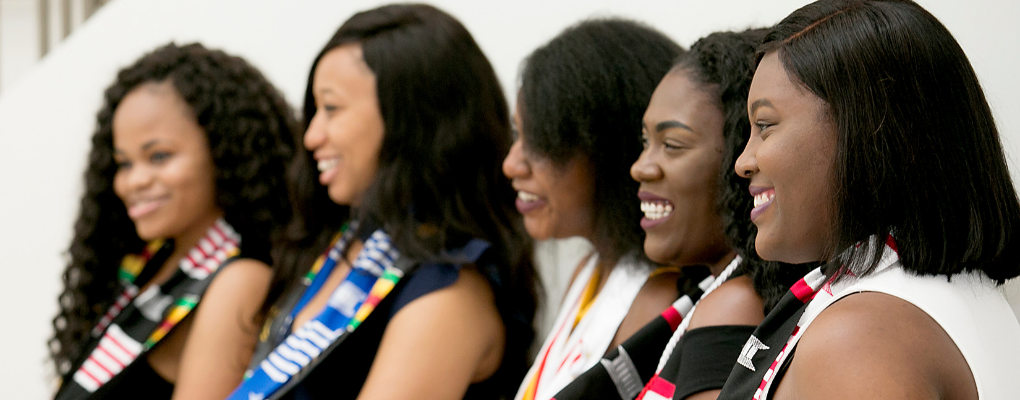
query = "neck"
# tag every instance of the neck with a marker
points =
(182, 245)
(719, 265)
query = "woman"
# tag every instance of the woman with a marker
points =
(581, 98)
(425, 288)
(873, 149)
(182, 191)
(694, 128)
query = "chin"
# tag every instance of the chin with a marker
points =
(655, 252)
(149, 233)
(536, 233)
(340, 198)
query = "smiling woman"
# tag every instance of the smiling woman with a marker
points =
(182, 195)
(405, 272)
(578, 117)
(874, 151)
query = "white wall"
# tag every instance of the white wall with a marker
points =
(47, 115)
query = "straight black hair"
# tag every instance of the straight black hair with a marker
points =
(918, 155)
(439, 181)
(583, 94)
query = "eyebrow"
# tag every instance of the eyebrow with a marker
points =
(671, 124)
(759, 103)
(145, 146)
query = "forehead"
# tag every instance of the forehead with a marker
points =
(343, 70)
(772, 82)
(154, 111)
(679, 95)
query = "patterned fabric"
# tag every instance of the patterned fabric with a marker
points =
(622, 373)
(571, 350)
(662, 384)
(137, 322)
(373, 275)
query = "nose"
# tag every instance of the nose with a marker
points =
(316, 133)
(135, 178)
(515, 165)
(747, 164)
(645, 169)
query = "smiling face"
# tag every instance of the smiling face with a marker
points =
(556, 200)
(346, 133)
(682, 132)
(789, 160)
(165, 174)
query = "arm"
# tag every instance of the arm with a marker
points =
(876, 346)
(439, 344)
(657, 294)
(222, 335)
(733, 303)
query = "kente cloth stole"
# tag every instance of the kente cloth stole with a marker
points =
(767, 349)
(373, 275)
(622, 372)
(137, 322)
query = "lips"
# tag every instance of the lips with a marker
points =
(327, 169)
(656, 209)
(141, 208)
(762, 200)
(527, 202)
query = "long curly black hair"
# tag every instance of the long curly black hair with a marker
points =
(251, 132)
(724, 63)
(447, 130)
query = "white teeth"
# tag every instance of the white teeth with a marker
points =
(763, 197)
(525, 196)
(656, 210)
(326, 165)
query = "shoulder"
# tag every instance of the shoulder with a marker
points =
(658, 292)
(469, 293)
(243, 280)
(880, 339)
(733, 303)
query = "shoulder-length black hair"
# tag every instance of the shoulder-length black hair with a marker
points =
(723, 64)
(584, 94)
(446, 131)
(918, 155)
(251, 134)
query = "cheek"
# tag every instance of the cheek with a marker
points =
(119, 185)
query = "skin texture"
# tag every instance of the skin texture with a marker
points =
(166, 171)
(791, 150)
(347, 126)
(565, 192)
(435, 358)
(683, 140)
(896, 349)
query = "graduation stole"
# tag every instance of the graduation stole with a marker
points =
(622, 372)
(373, 275)
(137, 322)
(768, 348)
